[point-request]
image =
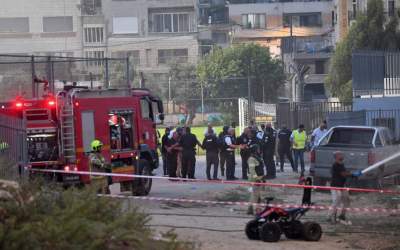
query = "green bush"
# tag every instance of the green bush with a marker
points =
(42, 217)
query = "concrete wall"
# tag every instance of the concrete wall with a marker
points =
(36, 41)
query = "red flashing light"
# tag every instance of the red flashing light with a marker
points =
(19, 104)
(66, 168)
(51, 103)
(76, 104)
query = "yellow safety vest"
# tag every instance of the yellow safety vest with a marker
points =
(299, 139)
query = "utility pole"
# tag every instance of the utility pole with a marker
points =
(249, 111)
(169, 93)
(202, 101)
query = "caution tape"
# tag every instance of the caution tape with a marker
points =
(242, 203)
(244, 183)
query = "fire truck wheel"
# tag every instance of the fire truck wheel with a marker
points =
(142, 186)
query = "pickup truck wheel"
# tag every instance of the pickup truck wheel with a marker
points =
(142, 186)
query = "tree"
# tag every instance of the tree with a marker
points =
(224, 73)
(368, 32)
(185, 88)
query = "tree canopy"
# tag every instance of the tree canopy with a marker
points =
(224, 72)
(370, 31)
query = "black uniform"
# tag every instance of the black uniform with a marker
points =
(222, 153)
(188, 143)
(268, 146)
(244, 154)
(172, 158)
(229, 154)
(284, 147)
(164, 155)
(210, 144)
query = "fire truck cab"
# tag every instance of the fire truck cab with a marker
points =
(60, 130)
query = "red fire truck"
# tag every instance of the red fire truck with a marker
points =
(61, 128)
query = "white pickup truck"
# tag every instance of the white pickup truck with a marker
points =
(361, 146)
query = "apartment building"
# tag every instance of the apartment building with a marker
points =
(47, 27)
(154, 33)
(346, 11)
(299, 32)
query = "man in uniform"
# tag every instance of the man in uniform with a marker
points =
(97, 164)
(268, 146)
(229, 153)
(188, 143)
(164, 142)
(299, 139)
(210, 144)
(256, 171)
(222, 153)
(284, 146)
(244, 139)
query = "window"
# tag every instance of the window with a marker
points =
(145, 109)
(148, 56)
(125, 25)
(319, 67)
(354, 15)
(57, 24)
(121, 130)
(134, 55)
(172, 22)
(168, 55)
(14, 24)
(94, 34)
(95, 55)
(349, 136)
(219, 37)
(253, 21)
(391, 8)
(302, 20)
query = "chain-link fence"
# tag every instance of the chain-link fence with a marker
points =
(22, 75)
(12, 145)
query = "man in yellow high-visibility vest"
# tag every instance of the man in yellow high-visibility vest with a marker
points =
(299, 139)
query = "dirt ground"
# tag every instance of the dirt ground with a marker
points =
(220, 227)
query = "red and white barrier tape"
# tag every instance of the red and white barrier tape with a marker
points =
(245, 183)
(240, 203)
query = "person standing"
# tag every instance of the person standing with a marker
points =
(318, 133)
(244, 139)
(284, 147)
(210, 144)
(222, 153)
(97, 164)
(230, 154)
(173, 148)
(164, 142)
(268, 148)
(340, 198)
(299, 139)
(256, 173)
(188, 143)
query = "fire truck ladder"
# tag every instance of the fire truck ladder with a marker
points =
(67, 131)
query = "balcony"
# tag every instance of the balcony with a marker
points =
(91, 8)
(308, 47)
(314, 78)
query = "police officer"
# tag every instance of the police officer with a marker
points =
(173, 148)
(284, 146)
(97, 163)
(222, 153)
(164, 155)
(244, 139)
(210, 144)
(188, 143)
(299, 139)
(229, 153)
(256, 171)
(268, 149)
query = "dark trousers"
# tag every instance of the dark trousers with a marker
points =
(299, 155)
(245, 165)
(285, 152)
(268, 156)
(172, 164)
(222, 161)
(188, 164)
(212, 159)
(165, 164)
(230, 165)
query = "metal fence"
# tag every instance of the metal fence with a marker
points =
(384, 118)
(376, 73)
(21, 74)
(308, 113)
(13, 151)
